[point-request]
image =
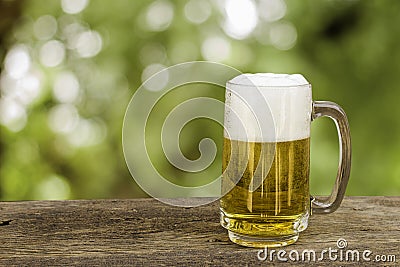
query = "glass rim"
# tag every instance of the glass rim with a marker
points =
(269, 86)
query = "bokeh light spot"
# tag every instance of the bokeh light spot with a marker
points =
(12, 114)
(241, 18)
(272, 10)
(71, 32)
(88, 132)
(63, 118)
(52, 53)
(45, 27)
(283, 35)
(197, 11)
(24, 90)
(159, 15)
(158, 82)
(53, 188)
(89, 44)
(17, 61)
(28, 88)
(73, 6)
(66, 87)
(216, 49)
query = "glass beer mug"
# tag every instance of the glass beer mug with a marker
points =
(266, 159)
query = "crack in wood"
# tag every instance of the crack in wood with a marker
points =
(4, 223)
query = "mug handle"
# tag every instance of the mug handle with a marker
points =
(336, 113)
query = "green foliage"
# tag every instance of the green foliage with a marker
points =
(348, 50)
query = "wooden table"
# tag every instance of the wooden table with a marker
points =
(145, 232)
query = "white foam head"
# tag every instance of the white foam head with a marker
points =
(270, 79)
(267, 107)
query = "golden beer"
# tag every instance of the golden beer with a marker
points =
(268, 202)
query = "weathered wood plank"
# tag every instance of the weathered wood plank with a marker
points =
(147, 232)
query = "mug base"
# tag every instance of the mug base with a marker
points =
(261, 241)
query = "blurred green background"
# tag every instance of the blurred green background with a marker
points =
(69, 68)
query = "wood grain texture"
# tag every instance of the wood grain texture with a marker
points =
(145, 232)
